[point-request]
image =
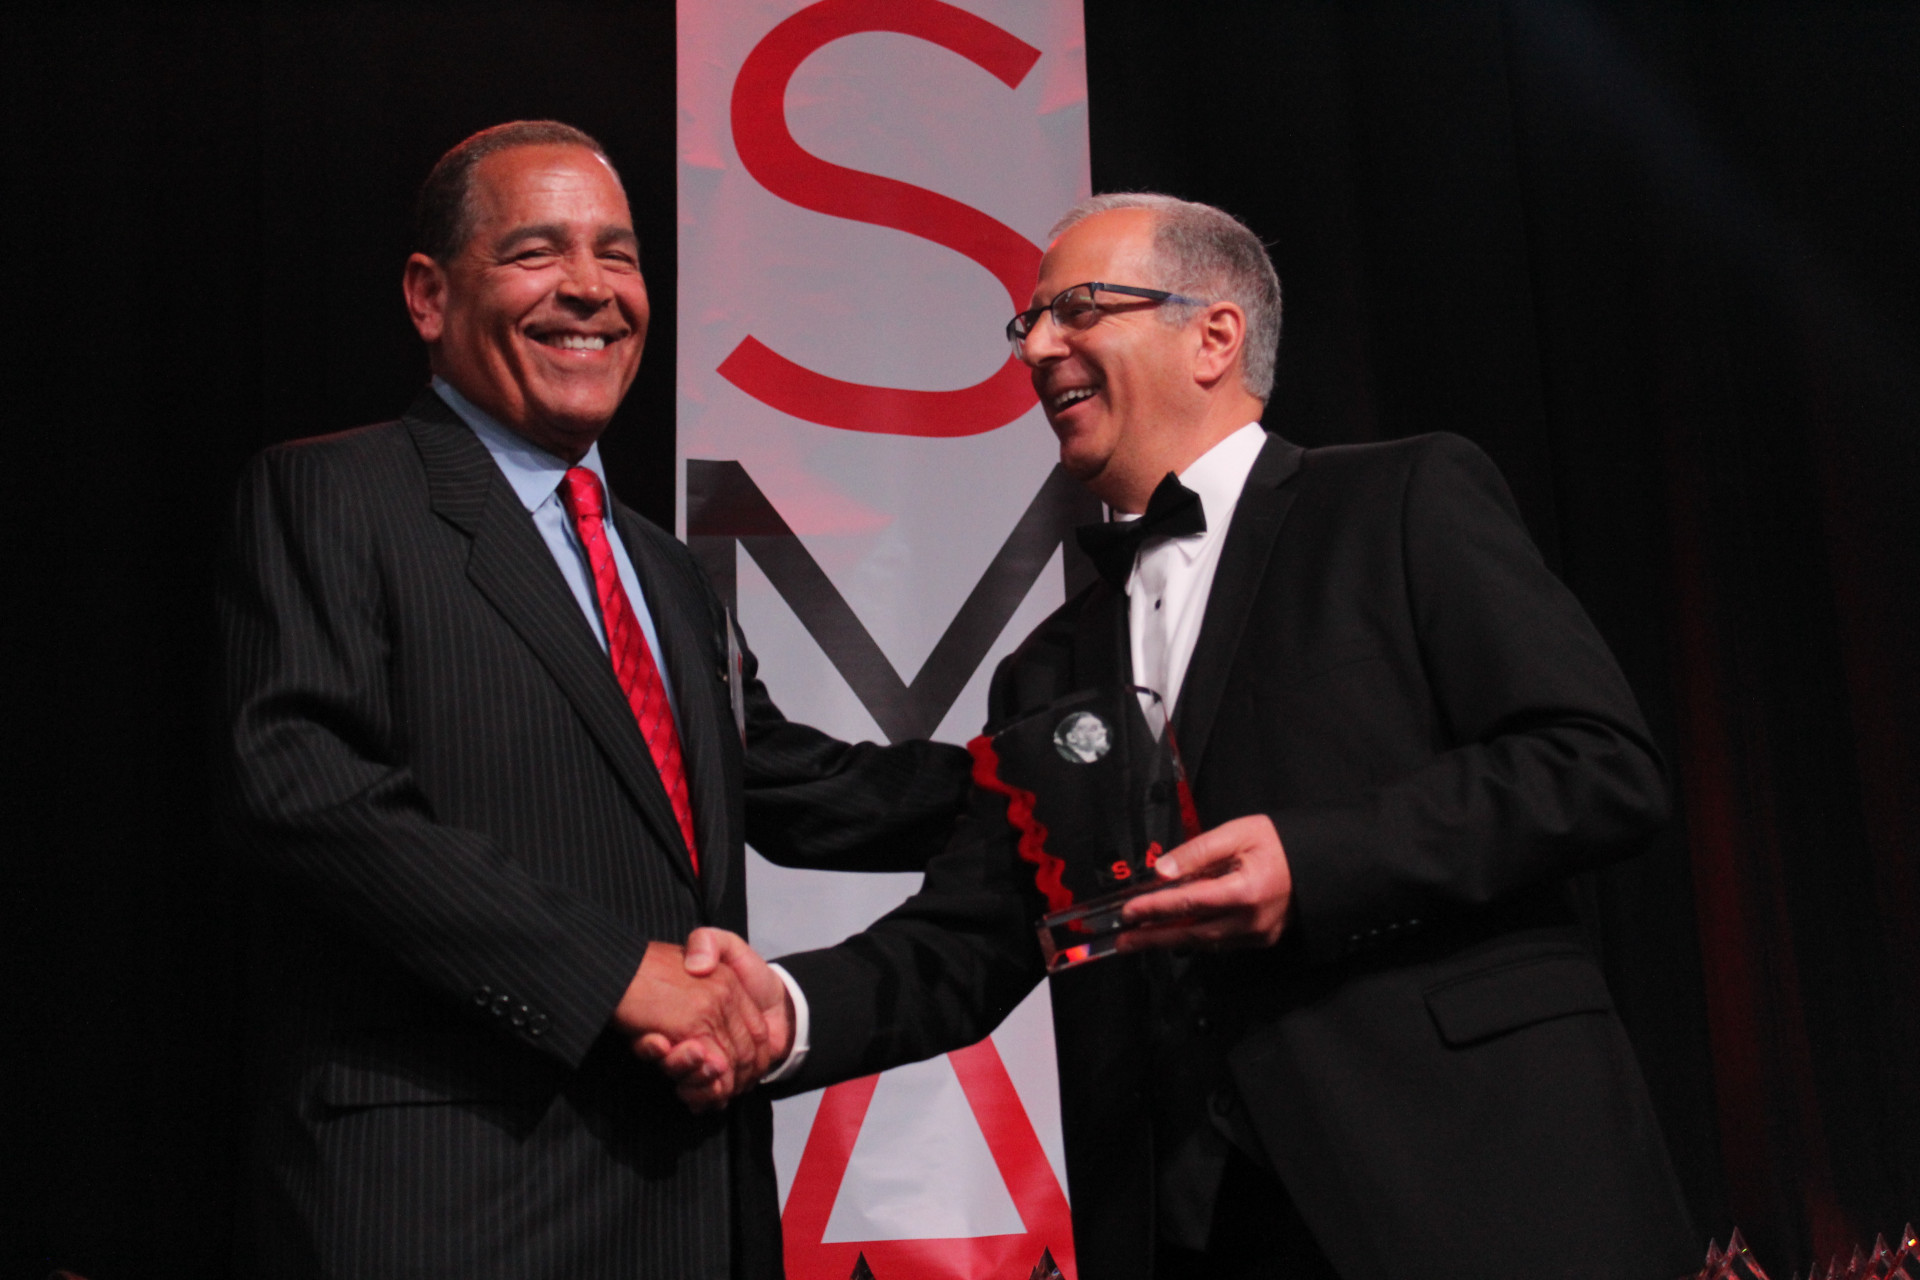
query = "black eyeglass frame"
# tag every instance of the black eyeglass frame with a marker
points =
(1022, 324)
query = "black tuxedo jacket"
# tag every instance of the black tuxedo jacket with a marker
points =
(458, 849)
(1429, 1057)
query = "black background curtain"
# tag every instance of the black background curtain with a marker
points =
(1659, 260)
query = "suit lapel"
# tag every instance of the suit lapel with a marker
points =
(510, 565)
(1257, 518)
(694, 662)
(1102, 658)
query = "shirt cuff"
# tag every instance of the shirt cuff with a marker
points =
(801, 1027)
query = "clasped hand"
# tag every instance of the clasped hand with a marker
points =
(714, 1016)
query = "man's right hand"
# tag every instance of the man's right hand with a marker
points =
(715, 952)
(720, 1038)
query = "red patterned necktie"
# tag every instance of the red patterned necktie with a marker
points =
(627, 645)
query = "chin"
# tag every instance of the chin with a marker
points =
(1081, 470)
(1082, 464)
(577, 415)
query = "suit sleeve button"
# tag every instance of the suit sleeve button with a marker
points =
(501, 1003)
(481, 995)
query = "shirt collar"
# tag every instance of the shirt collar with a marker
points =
(533, 473)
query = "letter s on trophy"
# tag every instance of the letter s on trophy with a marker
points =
(1095, 793)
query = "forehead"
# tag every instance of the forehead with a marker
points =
(1115, 246)
(547, 183)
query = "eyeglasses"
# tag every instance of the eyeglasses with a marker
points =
(1080, 306)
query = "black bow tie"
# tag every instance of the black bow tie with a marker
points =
(1173, 511)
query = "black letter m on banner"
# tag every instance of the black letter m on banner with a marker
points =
(725, 508)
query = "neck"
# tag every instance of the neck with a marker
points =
(567, 442)
(1127, 493)
(568, 449)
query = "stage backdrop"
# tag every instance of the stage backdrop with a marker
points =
(864, 190)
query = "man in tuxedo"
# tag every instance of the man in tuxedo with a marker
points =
(1368, 1040)
(493, 749)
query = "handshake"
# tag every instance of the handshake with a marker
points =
(714, 1016)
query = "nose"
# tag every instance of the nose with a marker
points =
(1043, 343)
(583, 282)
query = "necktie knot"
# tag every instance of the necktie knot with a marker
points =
(580, 493)
(1174, 511)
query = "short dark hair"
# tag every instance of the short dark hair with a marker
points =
(443, 215)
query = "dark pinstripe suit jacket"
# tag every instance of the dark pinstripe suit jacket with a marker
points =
(458, 849)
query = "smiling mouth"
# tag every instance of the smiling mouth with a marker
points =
(575, 341)
(1061, 401)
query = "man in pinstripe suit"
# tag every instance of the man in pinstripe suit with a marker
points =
(469, 864)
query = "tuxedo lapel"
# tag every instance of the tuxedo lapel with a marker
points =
(510, 565)
(695, 661)
(1102, 658)
(1257, 518)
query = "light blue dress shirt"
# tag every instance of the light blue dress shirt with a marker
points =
(535, 476)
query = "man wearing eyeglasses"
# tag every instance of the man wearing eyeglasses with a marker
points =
(1370, 1040)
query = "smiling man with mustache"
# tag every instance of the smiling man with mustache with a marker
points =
(540, 311)
(484, 776)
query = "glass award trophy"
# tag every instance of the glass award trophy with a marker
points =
(1097, 793)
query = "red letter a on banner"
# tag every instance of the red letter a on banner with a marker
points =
(1016, 1153)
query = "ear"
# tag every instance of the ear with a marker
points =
(1222, 332)
(425, 284)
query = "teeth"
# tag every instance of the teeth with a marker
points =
(1075, 396)
(577, 342)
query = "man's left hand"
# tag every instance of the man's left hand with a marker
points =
(1240, 901)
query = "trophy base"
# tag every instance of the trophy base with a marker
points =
(1090, 930)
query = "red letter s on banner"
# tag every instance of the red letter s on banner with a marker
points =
(778, 163)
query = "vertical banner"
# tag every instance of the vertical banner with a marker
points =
(864, 186)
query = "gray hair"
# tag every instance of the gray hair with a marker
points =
(1206, 252)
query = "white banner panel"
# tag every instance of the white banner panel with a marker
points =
(864, 186)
